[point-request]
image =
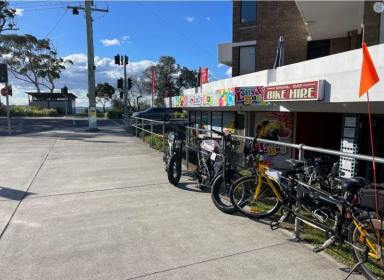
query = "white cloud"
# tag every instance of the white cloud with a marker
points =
(208, 18)
(228, 73)
(189, 19)
(125, 38)
(110, 42)
(19, 12)
(76, 79)
(220, 65)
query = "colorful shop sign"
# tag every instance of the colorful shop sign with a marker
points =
(295, 92)
(225, 97)
(218, 99)
(249, 95)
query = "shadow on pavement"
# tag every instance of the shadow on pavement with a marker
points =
(13, 194)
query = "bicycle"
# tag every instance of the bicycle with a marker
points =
(173, 155)
(346, 215)
(225, 176)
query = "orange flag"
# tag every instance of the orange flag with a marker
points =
(369, 75)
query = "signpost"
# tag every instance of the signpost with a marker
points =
(6, 91)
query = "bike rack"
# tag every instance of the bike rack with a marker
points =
(301, 148)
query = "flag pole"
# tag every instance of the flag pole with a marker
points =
(373, 155)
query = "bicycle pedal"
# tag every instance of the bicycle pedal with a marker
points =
(274, 225)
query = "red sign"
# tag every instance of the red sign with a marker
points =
(203, 76)
(294, 92)
(6, 91)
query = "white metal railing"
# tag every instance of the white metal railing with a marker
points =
(141, 124)
(300, 147)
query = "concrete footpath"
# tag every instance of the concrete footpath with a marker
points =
(76, 205)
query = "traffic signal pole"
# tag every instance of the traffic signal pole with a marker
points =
(125, 94)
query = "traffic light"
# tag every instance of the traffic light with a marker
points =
(3, 73)
(117, 59)
(120, 83)
(126, 60)
(121, 95)
(129, 83)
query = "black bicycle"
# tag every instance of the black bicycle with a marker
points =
(226, 175)
(173, 155)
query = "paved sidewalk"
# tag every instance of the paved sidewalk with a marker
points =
(98, 206)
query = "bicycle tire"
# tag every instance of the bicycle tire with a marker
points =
(364, 268)
(174, 170)
(241, 205)
(218, 201)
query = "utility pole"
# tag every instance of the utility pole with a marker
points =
(92, 126)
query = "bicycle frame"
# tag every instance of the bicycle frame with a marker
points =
(261, 173)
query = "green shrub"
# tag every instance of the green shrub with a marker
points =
(181, 115)
(156, 142)
(114, 114)
(24, 111)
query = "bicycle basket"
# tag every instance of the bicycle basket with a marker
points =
(367, 198)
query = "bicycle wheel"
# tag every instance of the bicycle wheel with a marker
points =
(220, 195)
(372, 268)
(174, 170)
(243, 198)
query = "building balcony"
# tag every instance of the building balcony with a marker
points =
(225, 54)
(331, 20)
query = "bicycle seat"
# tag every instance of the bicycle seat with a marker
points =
(351, 185)
(296, 164)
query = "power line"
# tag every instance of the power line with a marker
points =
(57, 23)
(44, 9)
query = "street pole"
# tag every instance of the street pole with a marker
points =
(125, 94)
(8, 111)
(91, 68)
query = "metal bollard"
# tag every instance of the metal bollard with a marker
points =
(136, 126)
(142, 128)
(187, 148)
(163, 136)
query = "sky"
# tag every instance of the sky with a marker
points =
(143, 30)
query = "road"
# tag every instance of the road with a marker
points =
(79, 205)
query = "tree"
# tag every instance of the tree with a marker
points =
(171, 79)
(32, 60)
(52, 66)
(7, 16)
(104, 93)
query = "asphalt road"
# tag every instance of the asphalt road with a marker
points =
(79, 205)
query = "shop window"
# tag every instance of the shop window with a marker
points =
(192, 118)
(217, 121)
(205, 120)
(247, 60)
(248, 12)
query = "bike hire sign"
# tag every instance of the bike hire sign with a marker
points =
(308, 91)
(259, 95)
